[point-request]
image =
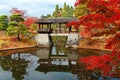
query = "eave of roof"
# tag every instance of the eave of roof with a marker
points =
(56, 20)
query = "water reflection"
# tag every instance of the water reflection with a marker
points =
(35, 64)
(46, 64)
(55, 63)
(14, 65)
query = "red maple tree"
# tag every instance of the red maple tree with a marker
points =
(18, 11)
(103, 18)
(29, 21)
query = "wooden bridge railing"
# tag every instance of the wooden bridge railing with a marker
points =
(57, 30)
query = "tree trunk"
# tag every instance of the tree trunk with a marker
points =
(19, 57)
(19, 37)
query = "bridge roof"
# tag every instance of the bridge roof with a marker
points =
(56, 20)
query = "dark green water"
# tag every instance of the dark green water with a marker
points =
(55, 63)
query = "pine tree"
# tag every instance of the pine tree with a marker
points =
(56, 12)
(3, 22)
(15, 26)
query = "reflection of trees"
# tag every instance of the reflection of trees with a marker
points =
(6, 62)
(90, 52)
(82, 73)
(16, 65)
(59, 42)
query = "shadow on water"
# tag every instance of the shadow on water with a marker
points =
(54, 63)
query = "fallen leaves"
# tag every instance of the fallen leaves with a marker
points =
(11, 42)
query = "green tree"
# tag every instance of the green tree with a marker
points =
(16, 17)
(70, 11)
(33, 27)
(67, 11)
(48, 15)
(64, 13)
(15, 26)
(3, 22)
(16, 29)
(56, 12)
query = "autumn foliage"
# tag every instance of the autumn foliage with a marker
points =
(107, 63)
(29, 21)
(102, 14)
(103, 18)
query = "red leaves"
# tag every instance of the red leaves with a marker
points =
(29, 21)
(114, 19)
(110, 43)
(93, 62)
(113, 43)
(106, 12)
(92, 20)
(105, 62)
(104, 6)
(71, 23)
(80, 2)
(77, 2)
(104, 18)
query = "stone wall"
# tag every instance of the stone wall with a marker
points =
(72, 40)
(42, 40)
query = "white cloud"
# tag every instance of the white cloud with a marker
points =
(33, 7)
(4, 7)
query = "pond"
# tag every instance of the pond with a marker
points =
(54, 63)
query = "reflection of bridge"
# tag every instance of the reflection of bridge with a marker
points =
(56, 27)
(62, 62)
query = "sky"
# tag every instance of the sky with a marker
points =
(34, 8)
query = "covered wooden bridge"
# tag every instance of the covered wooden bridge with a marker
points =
(55, 25)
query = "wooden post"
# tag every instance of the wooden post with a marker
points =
(39, 25)
(50, 26)
(60, 27)
(70, 29)
(42, 26)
